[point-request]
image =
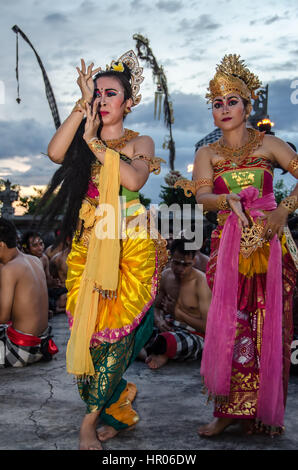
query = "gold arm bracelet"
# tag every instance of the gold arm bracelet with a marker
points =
(80, 105)
(290, 203)
(203, 182)
(96, 145)
(222, 203)
(293, 166)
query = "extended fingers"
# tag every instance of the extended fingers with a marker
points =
(83, 65)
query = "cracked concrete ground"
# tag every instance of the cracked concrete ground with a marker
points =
(41, 409)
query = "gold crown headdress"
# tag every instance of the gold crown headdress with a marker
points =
(233, 76)
(130, 59)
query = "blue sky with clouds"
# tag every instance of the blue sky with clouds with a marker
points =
(188, 38)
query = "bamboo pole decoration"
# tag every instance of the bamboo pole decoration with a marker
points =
(49, 92)
(145, 53)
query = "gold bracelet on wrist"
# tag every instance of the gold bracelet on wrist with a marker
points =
(222, 203)
(290, 203)
(96, 145)
(80, 105)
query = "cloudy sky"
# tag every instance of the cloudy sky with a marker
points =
(188, 37)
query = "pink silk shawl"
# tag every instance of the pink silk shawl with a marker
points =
(222, 317)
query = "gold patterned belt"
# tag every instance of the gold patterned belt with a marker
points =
(251, 236)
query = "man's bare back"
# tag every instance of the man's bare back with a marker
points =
(58, 262)
(24, 294)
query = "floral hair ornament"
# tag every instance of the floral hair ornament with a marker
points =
(117, 67)
(232, 75)
(130, 59)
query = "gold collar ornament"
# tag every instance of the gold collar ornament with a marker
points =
(238, 155)
(233, 76)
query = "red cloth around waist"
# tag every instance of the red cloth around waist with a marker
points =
(21, 339)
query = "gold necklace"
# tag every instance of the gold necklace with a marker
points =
(238, 155)
(121, 141)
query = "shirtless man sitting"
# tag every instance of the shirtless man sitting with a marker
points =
(180, 310)
(24, 332)
(58, 271)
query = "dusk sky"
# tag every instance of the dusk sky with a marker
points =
(187, 37)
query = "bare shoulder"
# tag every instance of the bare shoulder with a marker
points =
(144, 138)
(271, 142)
(278, 149)
(199, 275)
(166, 273)
(144, 144)
(33, 260)
(204, 152)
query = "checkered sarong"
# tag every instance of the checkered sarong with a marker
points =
(187, 343)
(13, 355)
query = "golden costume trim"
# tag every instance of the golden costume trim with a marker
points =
(290, 203)
(121, 141)
(154, 162)
(222, 203)
(238, 155)
(291, 245)
(189, 187)
(293, 166)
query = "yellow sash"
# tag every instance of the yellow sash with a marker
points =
(101, 272)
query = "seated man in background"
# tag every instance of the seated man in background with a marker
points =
(180, 310)
(24, 331)
(33, 244)
(58, 271)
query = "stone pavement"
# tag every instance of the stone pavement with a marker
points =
(40, 409)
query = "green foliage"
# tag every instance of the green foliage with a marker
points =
(280, 191)
(144, 200)
(170, 195)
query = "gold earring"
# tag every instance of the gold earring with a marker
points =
(127, 111)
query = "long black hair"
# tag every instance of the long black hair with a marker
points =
(72, 178)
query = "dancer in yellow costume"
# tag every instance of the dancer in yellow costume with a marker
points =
(251, 271)
(112, 280)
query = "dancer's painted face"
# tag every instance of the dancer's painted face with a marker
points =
(228, 111)
(109, 94)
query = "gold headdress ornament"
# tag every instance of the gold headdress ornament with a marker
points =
(233, 76)
(130, 59)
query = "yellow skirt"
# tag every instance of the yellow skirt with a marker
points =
(137, 288)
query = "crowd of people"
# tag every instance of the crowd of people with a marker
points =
(123, 297)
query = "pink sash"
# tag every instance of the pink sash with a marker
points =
(222, 317)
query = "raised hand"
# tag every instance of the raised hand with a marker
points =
(85, 80)
(92, 121)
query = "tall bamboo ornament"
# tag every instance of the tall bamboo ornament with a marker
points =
(145, 53)
(48, 88)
